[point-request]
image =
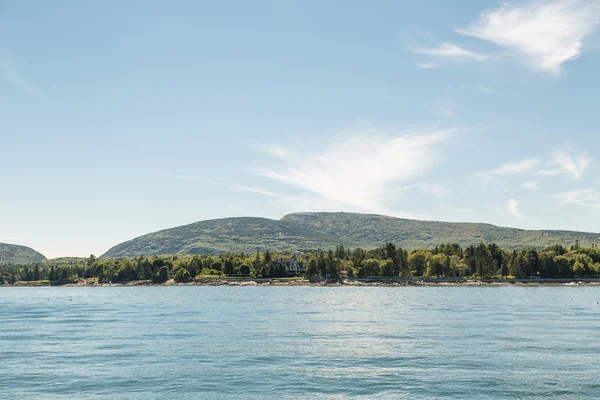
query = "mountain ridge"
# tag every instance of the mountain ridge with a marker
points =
(17, 254)
(324, 230)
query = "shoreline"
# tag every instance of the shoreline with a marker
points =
(236, 282)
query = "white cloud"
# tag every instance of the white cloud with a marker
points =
(302, 203)
(487, 90)
(531, 186)
(450, 50)
(513, 209)
(563, 162)
(357, 170)
(427, 65)
(276, 150)
(435, 189)
(582, 197)
(544, 34)
(513, 168)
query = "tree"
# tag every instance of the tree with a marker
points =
(340, 252)
(369, 267)
(228, 267)
(504, 268)
(312, 269)
(389, 250)
(161, 276)
(195, 266)
(268, 257)
(182, 275)
(417, 261)
(157, 265)
(436, 266)
(526, 263)
(257, 263)
(485, 264)
(321, 264)
(244, 270)
(332, 267)
(578, 269)
(564, 269)
(387, 268)
(394, 254)
(36, 272)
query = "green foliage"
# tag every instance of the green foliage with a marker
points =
(182, 275)
(369, 267)
(369, 231)
(244, 270)
(14, 254)
(306, 231)
(387, 268)
(161, 276)
(390, 260)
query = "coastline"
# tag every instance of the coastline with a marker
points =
(236, 282)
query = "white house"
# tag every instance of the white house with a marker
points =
(293, 266)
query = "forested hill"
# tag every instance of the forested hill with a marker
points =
(15, 254)
(244, 234)
(412, 234)
(303, 231)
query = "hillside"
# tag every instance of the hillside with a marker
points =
(373, 230)
(244, 234)
(304, 231)
(15, 254)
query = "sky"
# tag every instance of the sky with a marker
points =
(120, 118)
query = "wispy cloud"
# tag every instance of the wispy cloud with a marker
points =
(586, 198)
(12, 238)
(582, 197)
(12, 76)
(445, 108)
(564, 162)
(276, 150)
(531, 186)
(300, 202)
(511, 168)
(437, 190)
(487, 90)
(450, 50)
(544, 34)
(427, 65)
(441, 192)
(358, 169)
(513, 209)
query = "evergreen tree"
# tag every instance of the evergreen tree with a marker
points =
(161, 276)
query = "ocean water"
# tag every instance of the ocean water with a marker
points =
(299, 343)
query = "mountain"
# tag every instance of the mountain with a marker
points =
(304, 231)
(374, 230)
(224, 235)
(15, 254)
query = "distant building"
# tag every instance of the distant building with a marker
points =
(293, 266)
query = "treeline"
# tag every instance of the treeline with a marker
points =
(448, 260)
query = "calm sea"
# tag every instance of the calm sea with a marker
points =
(299, 343)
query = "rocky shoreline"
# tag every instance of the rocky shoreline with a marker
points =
(305, 282)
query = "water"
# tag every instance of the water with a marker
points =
(299, 342)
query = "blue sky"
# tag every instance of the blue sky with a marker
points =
(118, 118)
